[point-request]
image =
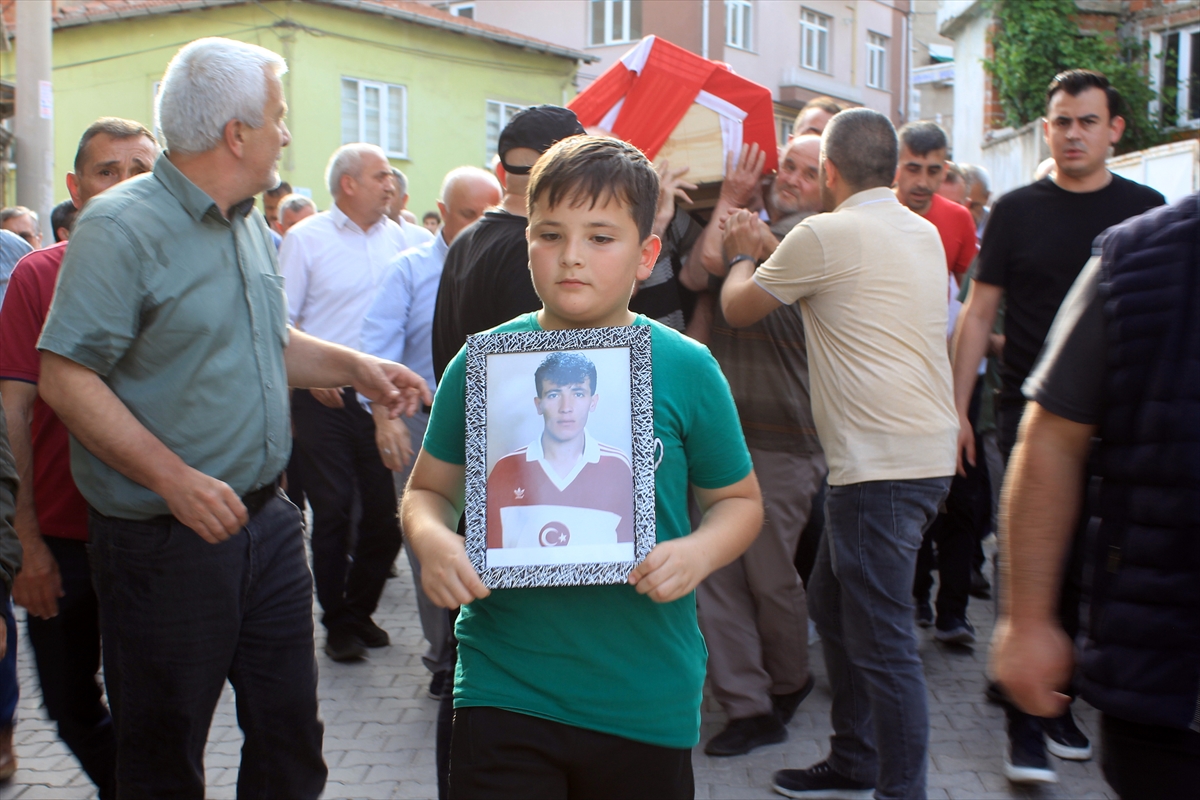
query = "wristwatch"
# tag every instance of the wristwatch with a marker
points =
(737, 258)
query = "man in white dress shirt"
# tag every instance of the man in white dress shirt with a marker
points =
(332, 264)
(401, 322)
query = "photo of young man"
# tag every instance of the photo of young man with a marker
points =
(565, 488)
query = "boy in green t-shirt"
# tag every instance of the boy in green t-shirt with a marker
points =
(591, 690)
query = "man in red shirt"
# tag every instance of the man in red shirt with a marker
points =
(55, 584)
(921, 172)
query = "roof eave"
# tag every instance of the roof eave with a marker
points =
(355, 5)
(478, 33)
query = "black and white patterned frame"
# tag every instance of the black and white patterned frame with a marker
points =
(641, 394)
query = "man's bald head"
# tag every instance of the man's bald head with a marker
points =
(466, 193)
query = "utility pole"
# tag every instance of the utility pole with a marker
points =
(34, 145)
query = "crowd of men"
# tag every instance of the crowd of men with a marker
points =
(177, 366)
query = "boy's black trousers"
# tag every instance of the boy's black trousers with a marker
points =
(502, 754)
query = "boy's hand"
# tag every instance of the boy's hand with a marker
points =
(671, 570)
(449, 578)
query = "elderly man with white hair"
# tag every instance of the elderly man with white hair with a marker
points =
(332, 264)
(171, 367)
(292, 209)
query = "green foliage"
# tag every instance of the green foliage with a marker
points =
(1037, 39)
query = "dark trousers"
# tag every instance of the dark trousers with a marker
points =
(67, 651)
(179, 616)
(10, 689)
(337, 452)
(501, 754)
(1149, 762)
(956, 533)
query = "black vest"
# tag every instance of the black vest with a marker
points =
(1141, 660)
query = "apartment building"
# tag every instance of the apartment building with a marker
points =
(853, 50)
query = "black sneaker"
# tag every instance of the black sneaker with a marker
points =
(786, 704)
(342, 645)
(1065, 740)
(821, 781)
(957, 631)
(924, 614)
(1026, 761)
(370, 634)
(743, 735)
(441, 683)
(979, 585)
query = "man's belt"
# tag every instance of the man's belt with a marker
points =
(255, 500)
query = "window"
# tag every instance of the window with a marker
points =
(1181, 77)
(616, 21)
(739, 15)
(877, 61)
(783, 126)
(466, 10)
(375, 113)
(814, 40)
(498, 116)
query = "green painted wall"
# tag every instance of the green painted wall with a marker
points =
(111, 68)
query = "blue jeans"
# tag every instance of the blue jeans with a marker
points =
(178, 616)
(860, 597)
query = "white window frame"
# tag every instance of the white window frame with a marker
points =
(1188, 117)
(457, 9)
(385, 92)
(877, 53)
(506, 111)
(739, 24)
(608, 35)
(816, 25)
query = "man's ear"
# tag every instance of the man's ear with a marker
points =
(445, 212)
(831, 173)
(232, 135)
(651, 247)
(73, 189)
(592, 405)
(1116, 128)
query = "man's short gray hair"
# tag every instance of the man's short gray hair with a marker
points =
(293, 203)
(13, 212)
(973, 174)
(209, 83)
(401, 182)
(862, 144)
(347, 160)
(463, 173)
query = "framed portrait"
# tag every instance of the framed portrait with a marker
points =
(560, 456)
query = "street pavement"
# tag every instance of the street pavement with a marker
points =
(379, 728)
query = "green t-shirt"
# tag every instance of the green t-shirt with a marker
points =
(605, 658)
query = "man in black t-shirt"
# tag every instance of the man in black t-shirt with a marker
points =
(1037, 240)
(486, 278)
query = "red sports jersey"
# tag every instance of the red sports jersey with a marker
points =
(529, 505)
(61, 509)
(957, 229)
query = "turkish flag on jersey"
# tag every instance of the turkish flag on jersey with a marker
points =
(644, 96)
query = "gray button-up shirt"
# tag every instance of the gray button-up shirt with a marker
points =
(182, 313)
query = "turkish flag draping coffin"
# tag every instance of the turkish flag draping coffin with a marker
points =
(672, 104)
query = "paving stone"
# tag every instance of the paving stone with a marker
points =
(379, 728)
